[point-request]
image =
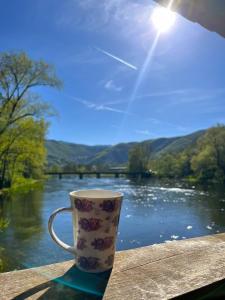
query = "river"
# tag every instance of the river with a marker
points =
(153, 211)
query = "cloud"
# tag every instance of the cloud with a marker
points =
(185, 96)
(165, 93)
(110, 85)
(197, 96)
(154, 121)
(143, 132)
(108, 108)
(172, 98)
(153, 95)
(166, 124)
(99, 107)
(122, 61)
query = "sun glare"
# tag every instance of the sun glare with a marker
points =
(163, 19)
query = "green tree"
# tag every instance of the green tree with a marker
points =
(208, 163)
(204, 160)
(164, 166)
(138, 158)
(69, 167)
(22, 114)
(173, 165)
(54, 168)
(182, 164)
(26, 156)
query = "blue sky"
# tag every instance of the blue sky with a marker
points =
(181, 90)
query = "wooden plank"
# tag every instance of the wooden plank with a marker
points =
(19, 283)
(164, 271)
(160, 271)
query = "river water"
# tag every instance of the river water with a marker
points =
(153, 211)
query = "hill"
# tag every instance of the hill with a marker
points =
(61, 153)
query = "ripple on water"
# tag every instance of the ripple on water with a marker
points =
(174, 236)
(128, 216)
(134, 242)
(176, 190)
(189, 227)
(183, 199)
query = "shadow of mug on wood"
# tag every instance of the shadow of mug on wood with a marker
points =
(95, 216)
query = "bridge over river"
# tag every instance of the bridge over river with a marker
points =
(98, 174)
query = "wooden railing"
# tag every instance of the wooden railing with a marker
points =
(185, 269)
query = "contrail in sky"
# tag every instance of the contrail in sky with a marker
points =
(117, 58)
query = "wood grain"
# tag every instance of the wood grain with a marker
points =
(160, 271)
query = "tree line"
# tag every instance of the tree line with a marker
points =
(23, 115)
(203, 161)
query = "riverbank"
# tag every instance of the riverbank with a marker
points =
(192, 180)
(23, 185)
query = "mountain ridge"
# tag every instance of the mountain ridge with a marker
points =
(61, 152)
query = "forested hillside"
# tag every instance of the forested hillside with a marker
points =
(61, 153)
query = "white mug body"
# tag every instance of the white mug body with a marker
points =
(95, 215)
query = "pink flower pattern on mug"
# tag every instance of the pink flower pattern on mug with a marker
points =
(109, 260)
(88, 263)
(81, 243)
(108, 205)
(83, 205)
(91, 224)
(102, 243)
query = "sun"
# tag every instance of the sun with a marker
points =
(163, 19)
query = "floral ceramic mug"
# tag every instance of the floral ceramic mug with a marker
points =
(95, 222)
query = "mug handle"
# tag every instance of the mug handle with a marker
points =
(52, 232)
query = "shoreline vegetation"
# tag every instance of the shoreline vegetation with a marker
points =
(23, 185)
(203, 162)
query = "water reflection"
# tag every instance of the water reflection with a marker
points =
(153, 212)
(24, 214)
